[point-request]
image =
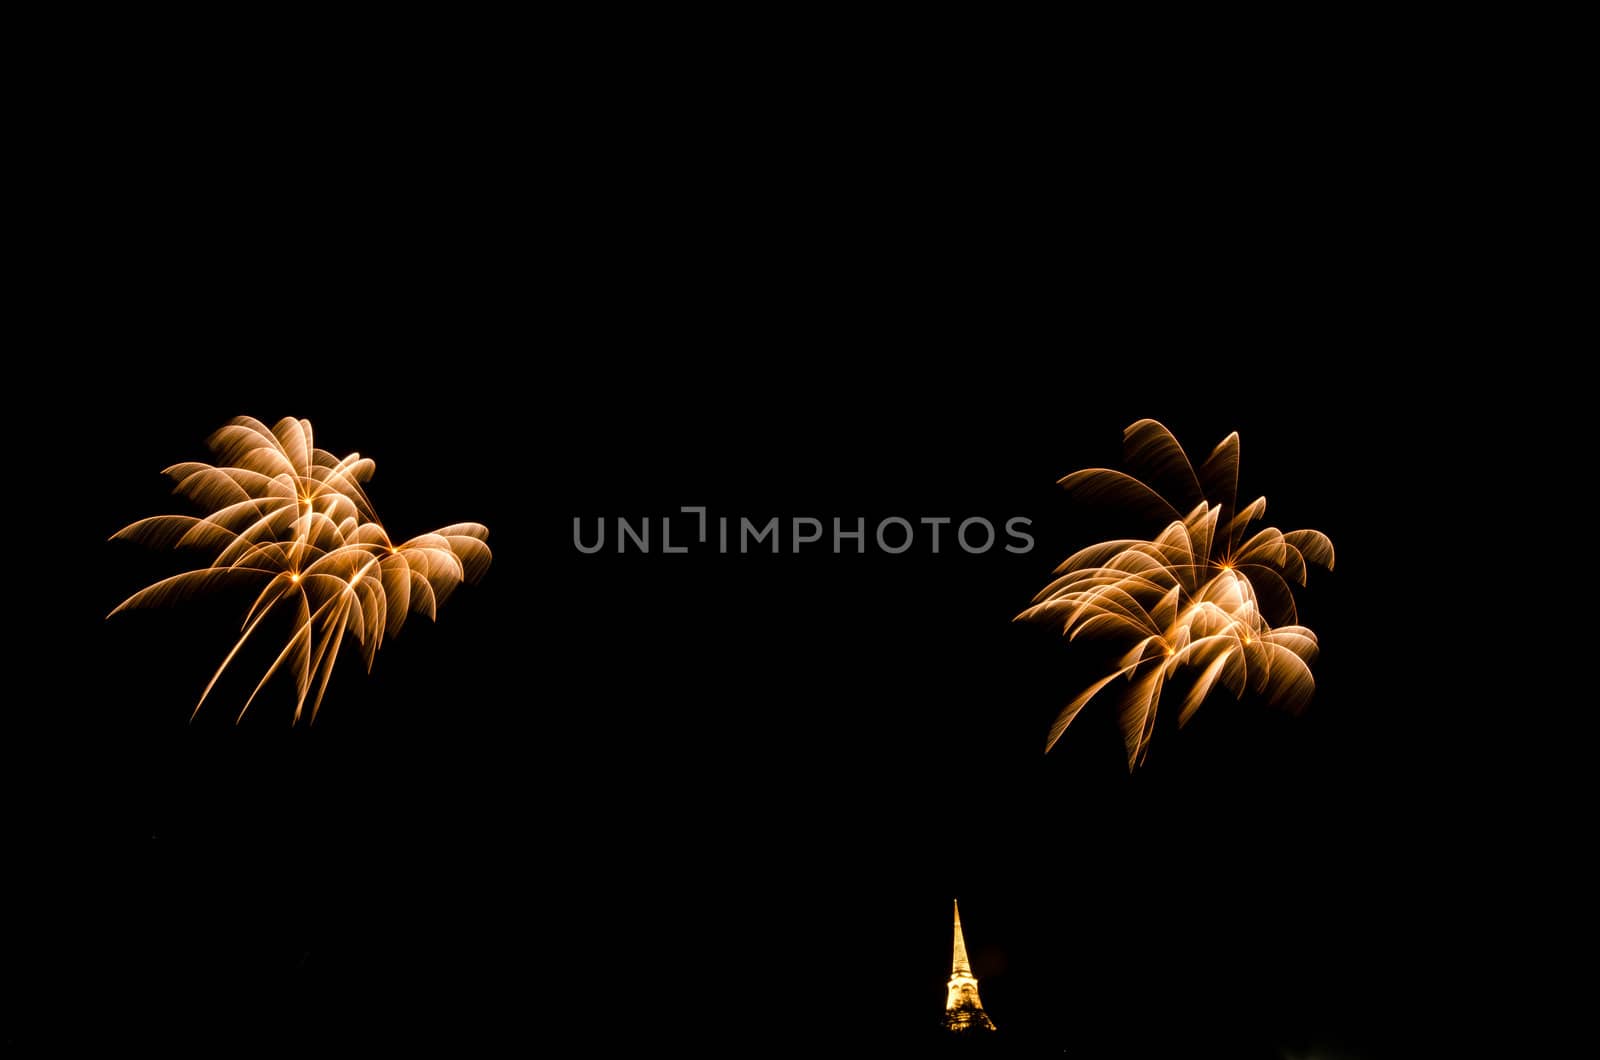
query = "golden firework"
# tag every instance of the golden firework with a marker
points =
(293, 518)
(1205, 595)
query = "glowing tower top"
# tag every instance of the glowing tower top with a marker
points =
(962, 1010)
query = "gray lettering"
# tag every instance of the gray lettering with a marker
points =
(770, 530)
(666, 537)
(1020, 535)
(859, 533)
(577, 539)
(910, 533)
(702, 510)
(816, 525)
(625, 530)
(961, 535)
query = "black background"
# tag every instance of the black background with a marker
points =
(730, 797)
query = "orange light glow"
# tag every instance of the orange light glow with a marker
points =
(1168, 604)
(963, 1010)
(254, 533)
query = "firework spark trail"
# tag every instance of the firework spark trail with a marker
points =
(1204, 595)
(293, 518)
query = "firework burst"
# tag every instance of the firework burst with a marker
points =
(294, 519)
(1205, 598)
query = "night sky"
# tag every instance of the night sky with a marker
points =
(730, 797)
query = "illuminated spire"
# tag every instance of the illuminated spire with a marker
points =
(963, 1011)
(959, 965)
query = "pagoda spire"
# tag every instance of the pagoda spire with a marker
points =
(958, 962)
(963, 1012)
